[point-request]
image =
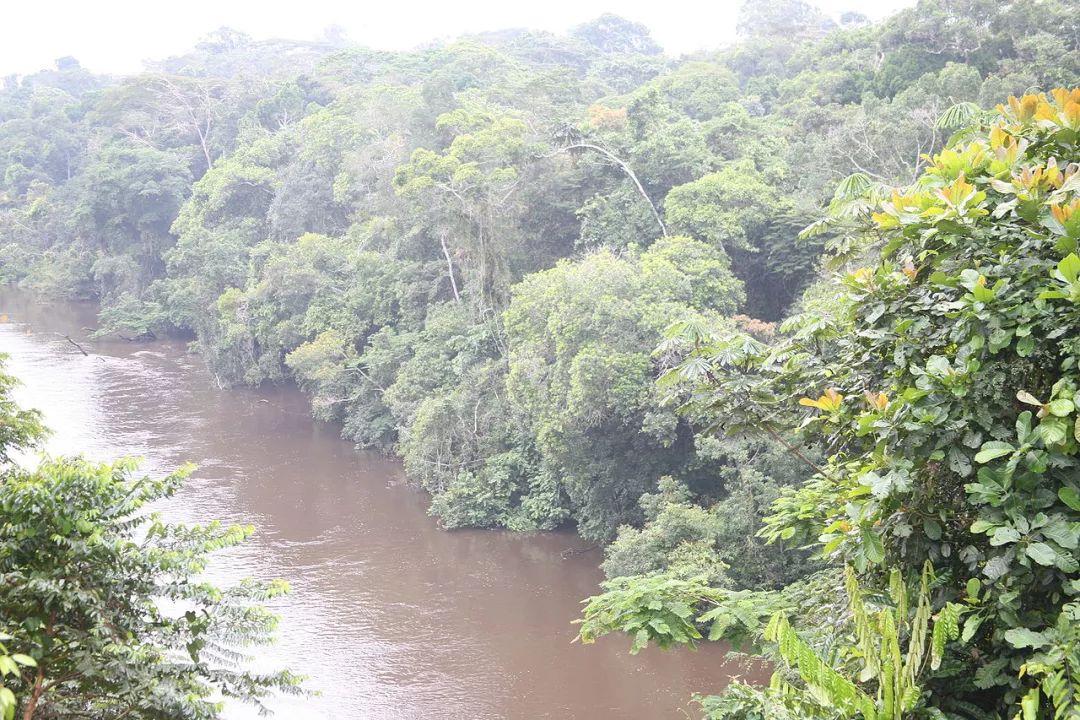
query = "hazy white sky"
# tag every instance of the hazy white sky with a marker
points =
(117, 35)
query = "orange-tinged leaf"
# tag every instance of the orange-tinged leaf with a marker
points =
(877, 401)
(999, 138)
(1024, 107)
(1028, 399)
(1071, 115)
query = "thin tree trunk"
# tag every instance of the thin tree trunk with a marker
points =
(206, 154)
(35, 695)
(449, 267)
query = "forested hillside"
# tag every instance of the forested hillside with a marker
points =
(467, 254)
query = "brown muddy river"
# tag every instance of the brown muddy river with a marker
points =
(390, 617)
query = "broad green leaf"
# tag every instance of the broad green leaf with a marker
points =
(872, 546)
(7, 702)
(992, 450)
(1052, 430)
(719, 627)
(1065, 534)
(938, 366)
(1023, 637)
(1023, 426)
(971, 626)
(1041, 553)
(1004, 536)
(970, 279)
(1062, 407)
(1029, 704)
(1069, 267)
(959, 115)
(852, 187)
(1070, 497)
(996, 567)
(1066, 563)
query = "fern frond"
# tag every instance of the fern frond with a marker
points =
(821, 679)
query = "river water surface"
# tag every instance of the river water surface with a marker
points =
(390, 617)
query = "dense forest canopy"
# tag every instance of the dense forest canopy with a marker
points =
(480, 255)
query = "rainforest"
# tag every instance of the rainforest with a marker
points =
(783, 335)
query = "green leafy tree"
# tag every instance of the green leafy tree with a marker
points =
(613, 34)
(737, 210)
(781, 19)
(580, 337)
(709, 525)
(103, 612)
(870, 665)
(107, 600)
(473, 188)
(20, 429)
(130, 196)
(13, 664)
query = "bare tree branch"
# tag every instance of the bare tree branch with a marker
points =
(624, 167)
